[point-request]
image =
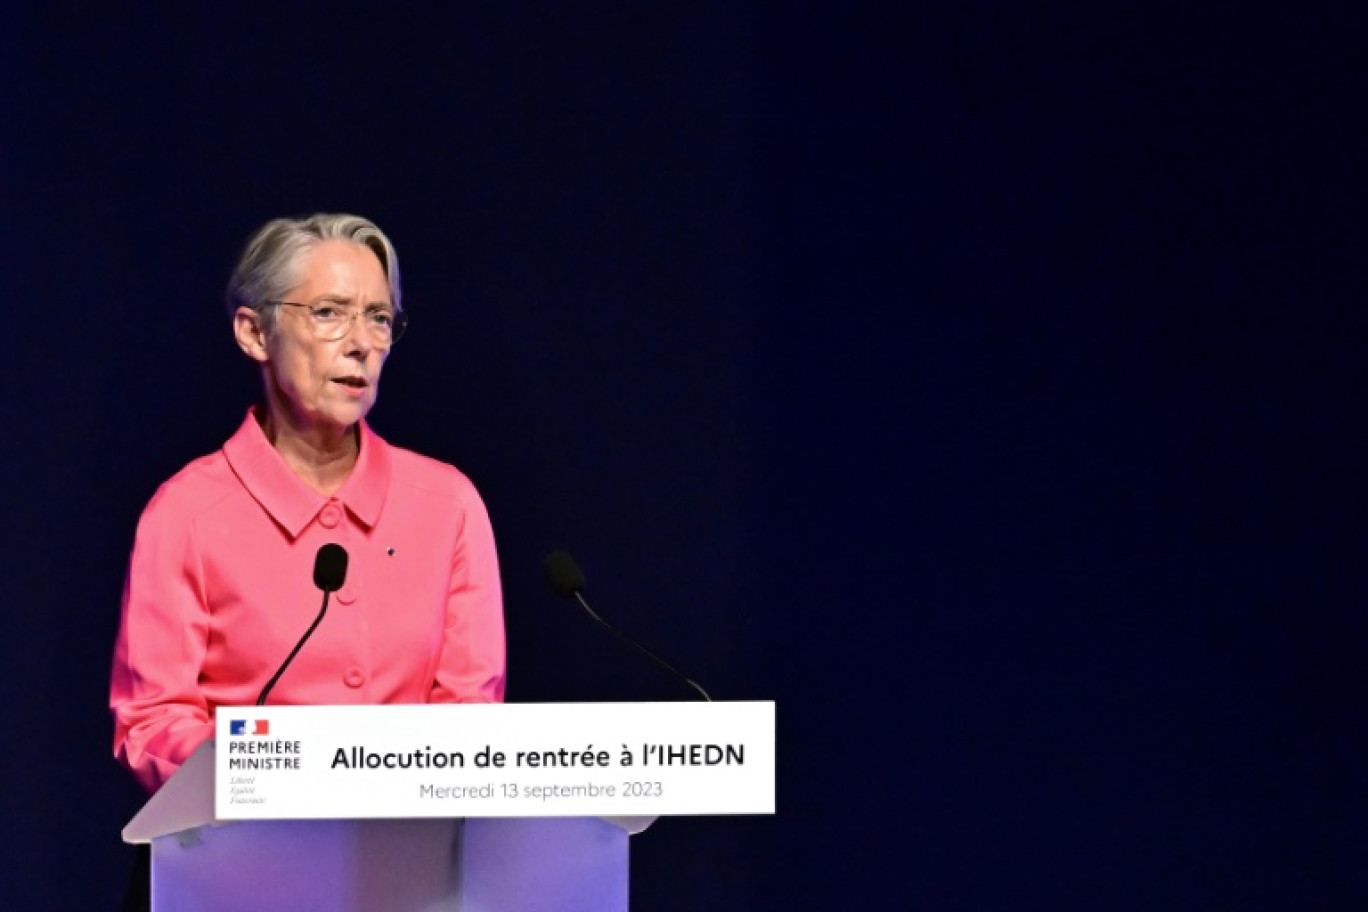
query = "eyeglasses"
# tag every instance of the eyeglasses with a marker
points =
(330, 322)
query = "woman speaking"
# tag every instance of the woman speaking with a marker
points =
(220, 583)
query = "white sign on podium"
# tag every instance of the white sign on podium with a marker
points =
(494, 760)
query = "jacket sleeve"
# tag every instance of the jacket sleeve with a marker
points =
(160, 715)
(472, 664)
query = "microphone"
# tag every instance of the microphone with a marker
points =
(567, 580)
(330, 572)
(330, 567)
(564, 575)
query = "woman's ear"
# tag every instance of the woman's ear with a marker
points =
(250, 333)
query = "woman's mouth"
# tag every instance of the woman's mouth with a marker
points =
(355, 387)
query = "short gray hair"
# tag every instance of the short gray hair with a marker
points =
(269, 265)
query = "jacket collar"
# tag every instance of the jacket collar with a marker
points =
(291, 502)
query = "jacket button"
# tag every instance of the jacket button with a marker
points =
(354, 676)
(346, 595)
(330, 516)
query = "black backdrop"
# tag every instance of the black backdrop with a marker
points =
(982, 385)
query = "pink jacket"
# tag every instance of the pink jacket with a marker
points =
(220, 588)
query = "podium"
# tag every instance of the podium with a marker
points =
(429, 808)
(568, 864)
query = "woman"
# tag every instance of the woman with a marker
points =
(220, 584)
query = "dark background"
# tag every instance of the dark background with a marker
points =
(981, 384)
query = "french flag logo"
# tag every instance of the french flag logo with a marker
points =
(258, 727)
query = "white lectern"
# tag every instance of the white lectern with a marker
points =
(567, 864)
(351, 808)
